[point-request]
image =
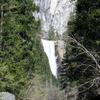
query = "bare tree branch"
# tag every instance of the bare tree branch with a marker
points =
(87, 52)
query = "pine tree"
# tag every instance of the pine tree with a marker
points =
(81, 63)
(20, 52)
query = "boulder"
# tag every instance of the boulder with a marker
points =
(6, 96)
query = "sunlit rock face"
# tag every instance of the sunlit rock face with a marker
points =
(55, 14)
(6, 96)
(44, 14)
(61, 15)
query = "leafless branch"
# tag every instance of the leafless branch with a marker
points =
(86, 51)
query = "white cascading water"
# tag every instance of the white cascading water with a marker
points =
(49, 48)
(55, 14)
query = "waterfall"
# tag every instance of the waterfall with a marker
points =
(49, 48)
(55, 14)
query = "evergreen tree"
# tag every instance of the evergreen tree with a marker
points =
(81, 64)
(20, 49)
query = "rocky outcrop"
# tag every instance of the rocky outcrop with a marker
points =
(60, 48)
(6, 96)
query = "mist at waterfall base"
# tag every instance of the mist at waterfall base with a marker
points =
(55, 14)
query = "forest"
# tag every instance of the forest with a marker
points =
(20, 47)
(81, 63)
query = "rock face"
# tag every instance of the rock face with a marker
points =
(59, 52)
(6, 96)
(60, 48)
(55, 14)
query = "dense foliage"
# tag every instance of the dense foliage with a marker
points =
(81, 64)
(20, 49)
